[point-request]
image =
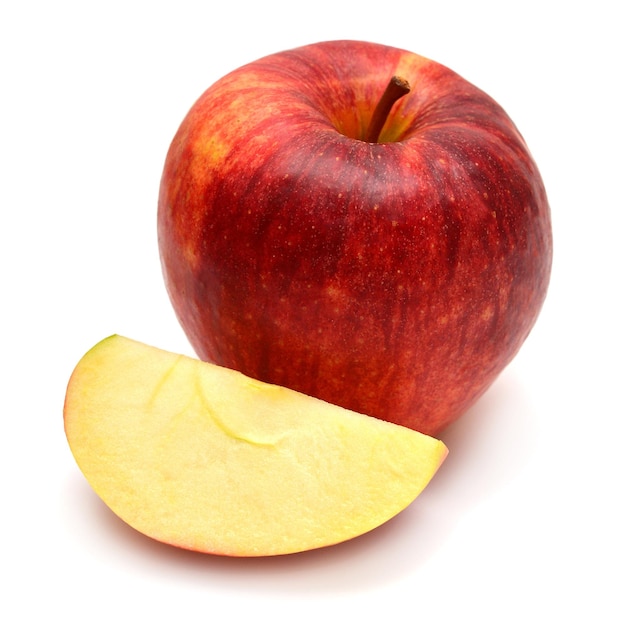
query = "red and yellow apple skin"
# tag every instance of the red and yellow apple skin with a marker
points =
(395, 278)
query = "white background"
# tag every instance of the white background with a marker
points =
(525, 522)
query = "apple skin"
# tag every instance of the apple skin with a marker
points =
(396, 278)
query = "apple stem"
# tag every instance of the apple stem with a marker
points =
(396, 88)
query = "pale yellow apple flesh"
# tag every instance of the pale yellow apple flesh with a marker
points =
(205, 458)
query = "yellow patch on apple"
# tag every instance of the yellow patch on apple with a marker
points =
(202, 457)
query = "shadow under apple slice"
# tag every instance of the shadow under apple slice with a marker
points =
(488, 446)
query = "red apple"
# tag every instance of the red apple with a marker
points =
(394, 273)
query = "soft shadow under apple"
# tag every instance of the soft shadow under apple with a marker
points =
(488, 446)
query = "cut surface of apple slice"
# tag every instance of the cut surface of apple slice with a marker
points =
(204, 458)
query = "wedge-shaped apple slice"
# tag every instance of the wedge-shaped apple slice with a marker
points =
(205, 458)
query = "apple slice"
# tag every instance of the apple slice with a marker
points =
(205, 458)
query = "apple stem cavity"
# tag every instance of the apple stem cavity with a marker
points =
(396, 88)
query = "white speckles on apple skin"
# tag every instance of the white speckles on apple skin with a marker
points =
(310, 274)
